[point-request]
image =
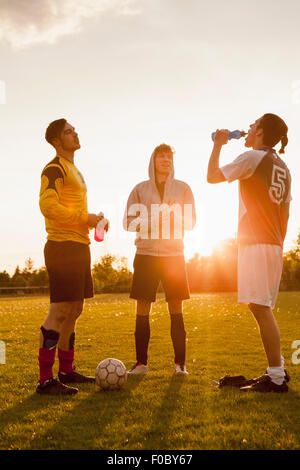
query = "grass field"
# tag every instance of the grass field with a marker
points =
(157, 411)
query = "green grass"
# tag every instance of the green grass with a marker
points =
(157, 411)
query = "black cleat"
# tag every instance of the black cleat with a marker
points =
(75, 378)
(241, 381)
(287, 378)
(232, 381)
(265, 384)
(54, 387)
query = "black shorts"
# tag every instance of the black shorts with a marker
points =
(150, 270)
(69, 268)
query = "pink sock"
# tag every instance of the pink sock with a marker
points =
(46, 361)
(66, 359)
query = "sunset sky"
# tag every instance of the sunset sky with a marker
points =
(129, 75)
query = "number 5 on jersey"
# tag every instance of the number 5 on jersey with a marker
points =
(277, 188)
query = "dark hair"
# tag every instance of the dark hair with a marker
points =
(275, 130)
(54, 130)
(163, 148)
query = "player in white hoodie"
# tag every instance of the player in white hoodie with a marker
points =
(159, 210)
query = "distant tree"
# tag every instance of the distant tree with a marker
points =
(39, 278)
(17, 279)
(111, 274)
(28, 271)
(4, 279)
(28, 265)
(290, 279)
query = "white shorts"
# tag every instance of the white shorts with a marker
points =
(259, 274)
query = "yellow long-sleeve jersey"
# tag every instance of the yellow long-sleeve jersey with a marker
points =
(63, 202)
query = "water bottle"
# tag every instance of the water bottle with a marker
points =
(99, 230)
(232, 135)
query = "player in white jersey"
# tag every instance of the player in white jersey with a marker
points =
(265, 195)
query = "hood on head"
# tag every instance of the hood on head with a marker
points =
(169, 182)
(151, 170)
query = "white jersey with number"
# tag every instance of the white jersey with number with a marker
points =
(264, 186)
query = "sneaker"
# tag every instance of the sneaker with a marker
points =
(265, 384)
(139, 369)
(180, 369)
(54, 387)
(75, 377)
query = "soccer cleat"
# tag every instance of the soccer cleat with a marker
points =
(75, 378)
(265, 384)
(232, 381)
(253, 381)
(180, 369)
(139, 369)
(241, 381)
(54, 387)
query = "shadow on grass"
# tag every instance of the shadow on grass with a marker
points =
(21, 413)
(80, 425)
(282, 408)
(162, 418)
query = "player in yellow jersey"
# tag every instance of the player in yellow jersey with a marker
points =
(63, 202)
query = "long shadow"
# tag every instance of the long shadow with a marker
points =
(283, 408)
(21, 413)
(164, 414)
(79, 426)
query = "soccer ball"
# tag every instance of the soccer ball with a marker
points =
(111, 374)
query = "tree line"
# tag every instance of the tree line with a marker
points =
(214, 273)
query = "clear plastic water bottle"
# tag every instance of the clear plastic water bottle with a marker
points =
(99, 230)
(232, 134)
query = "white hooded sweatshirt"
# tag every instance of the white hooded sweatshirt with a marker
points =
(149, 216)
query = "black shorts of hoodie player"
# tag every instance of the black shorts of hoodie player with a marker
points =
(150, 270)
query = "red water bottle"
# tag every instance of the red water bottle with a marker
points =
(99, 234)
(99, 230)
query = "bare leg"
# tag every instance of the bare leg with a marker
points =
(58, 312)
(68, 325)
(143, 307)
(175, 306)
(269, 332)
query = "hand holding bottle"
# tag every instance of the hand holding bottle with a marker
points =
(230, 135)
(103, 225)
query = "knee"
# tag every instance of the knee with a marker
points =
(66, 311)
(59, 311)
(260, 312)
(143, 308)
(77, 310)
(175, 306)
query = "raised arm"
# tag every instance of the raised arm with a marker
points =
(214, 174)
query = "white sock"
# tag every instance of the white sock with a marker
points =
(276, 374)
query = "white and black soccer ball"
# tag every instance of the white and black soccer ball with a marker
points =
(111, 374)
